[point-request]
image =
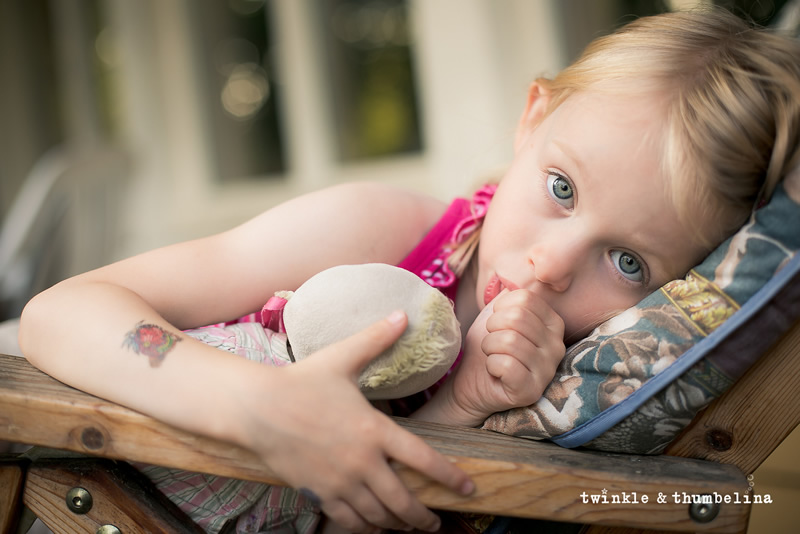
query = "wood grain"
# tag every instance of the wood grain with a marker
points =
(118, 499)
(750, 420)
(513, 476)
(12, 476)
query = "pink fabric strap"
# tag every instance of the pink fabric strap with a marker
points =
(272, 314)
(429, 259)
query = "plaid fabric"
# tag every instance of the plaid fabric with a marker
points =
(212, 501)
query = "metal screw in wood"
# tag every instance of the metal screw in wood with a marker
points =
(703, 512)
(79, 500)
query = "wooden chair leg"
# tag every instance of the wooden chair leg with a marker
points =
(82, 495)
(12, 478)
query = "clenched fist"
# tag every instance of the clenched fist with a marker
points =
(510, 355)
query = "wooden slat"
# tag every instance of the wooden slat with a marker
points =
(513, 476)
(541, 480)
(740, 430)
(38, 410)
(118, 498)
(12, 476)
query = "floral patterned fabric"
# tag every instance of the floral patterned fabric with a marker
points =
(635, 382)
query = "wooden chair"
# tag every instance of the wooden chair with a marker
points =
(514, 477)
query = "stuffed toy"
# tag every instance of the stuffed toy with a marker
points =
(343, 300)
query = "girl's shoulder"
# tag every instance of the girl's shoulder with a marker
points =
(356, 222)
(384, 222)
(373, 211)
(386, 204)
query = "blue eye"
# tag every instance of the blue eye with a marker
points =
(560, 189)
(627, 265)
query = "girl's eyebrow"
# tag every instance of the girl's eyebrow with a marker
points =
(570, 154)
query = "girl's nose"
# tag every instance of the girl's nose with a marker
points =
(555, 263)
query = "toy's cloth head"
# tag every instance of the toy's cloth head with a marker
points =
(343, 300)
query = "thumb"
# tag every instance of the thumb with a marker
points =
(356, 351)
(478, 329)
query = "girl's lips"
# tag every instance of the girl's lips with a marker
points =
(494, 287)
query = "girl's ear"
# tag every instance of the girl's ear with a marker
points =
(535, 108)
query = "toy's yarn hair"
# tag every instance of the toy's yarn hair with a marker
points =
(732, 106)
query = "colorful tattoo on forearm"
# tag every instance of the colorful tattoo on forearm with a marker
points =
(150, 340)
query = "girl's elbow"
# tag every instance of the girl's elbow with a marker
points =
(32, 326)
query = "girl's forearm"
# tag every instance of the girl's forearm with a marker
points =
(106, 340)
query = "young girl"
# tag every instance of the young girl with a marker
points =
(629, 167)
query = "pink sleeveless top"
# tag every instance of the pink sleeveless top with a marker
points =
(429, 258)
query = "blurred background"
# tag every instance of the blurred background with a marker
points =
(127, 125)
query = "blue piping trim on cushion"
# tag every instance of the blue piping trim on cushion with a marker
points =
(609, 417)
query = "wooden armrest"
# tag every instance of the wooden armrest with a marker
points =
(514, 477)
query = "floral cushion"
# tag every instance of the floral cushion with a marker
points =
(635, 382)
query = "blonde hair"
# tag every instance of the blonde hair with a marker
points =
(732, 109)
(732, 97)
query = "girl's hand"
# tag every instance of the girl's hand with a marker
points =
(510, 355)
(523, 340)
(316, 430)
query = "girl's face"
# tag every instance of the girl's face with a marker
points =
(583, 217)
